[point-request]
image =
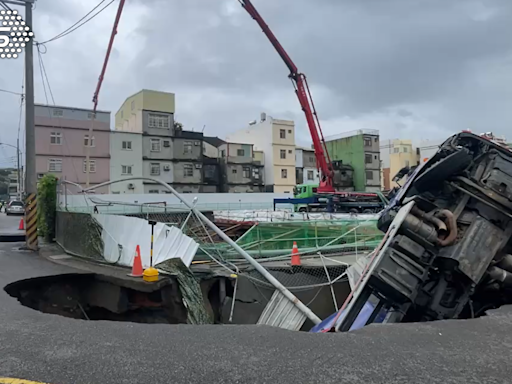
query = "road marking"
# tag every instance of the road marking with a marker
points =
(10, 380)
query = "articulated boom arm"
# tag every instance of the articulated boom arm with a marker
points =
(306, 102)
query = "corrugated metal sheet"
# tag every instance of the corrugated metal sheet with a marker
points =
(281, 312)
(122, 234)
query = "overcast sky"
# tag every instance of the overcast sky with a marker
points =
(413, 69)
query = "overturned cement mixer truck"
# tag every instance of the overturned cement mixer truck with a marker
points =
(447, 251)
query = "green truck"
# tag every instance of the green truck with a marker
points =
(307, 199)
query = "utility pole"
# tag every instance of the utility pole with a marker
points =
(30, 140)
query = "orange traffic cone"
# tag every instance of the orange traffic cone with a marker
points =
(295, 254)
(137, 270)
(22, 225)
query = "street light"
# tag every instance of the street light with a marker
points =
(18, 164)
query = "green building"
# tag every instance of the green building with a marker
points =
(360, 149)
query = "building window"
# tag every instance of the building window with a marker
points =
(289, 151)
(283, 153)
(86, 141)
(234, 171)
(158, 121)
(369, 175)
(282, 133)
(155, 145)
(223, 153)
(187, 147)
(90, 115)
(284, 173)
(167, 144)
(155, 169)
(55, 165)
(92, 166)
(133, 105)
(240, 152)
(289, 131)
(368, 158)
(396, 150)
(126, 169)
(56, 138)
(58, 112)
(153, 191)
(188, 170)
(376, 139)
(311, 159)
(367, 141)
(406, 149)
(127, 145)
(311, 175)
(247, 172)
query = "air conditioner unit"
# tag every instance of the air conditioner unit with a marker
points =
(167, 167)
(131, 186)
(196, 143)
(198, 166)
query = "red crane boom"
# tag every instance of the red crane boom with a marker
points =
(323, 162)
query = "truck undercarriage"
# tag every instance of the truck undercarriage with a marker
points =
(447, 250)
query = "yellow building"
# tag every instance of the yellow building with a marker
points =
(129, 117)
(276, 138)
(395, 155)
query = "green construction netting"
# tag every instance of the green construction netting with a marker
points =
(273, 239)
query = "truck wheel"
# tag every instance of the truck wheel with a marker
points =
(368, 211)
(353, 210)
(303, 209)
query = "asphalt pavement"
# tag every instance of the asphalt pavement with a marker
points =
(10, 224)
(53, 349)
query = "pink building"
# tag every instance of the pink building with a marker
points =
(62, 138)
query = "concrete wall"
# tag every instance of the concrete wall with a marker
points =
(165, 175)
(179, 173)
(210, 150)
(310, 172)
(150, 130)
(308, 159)
(166, 152)
(179, 149)
(127, 157)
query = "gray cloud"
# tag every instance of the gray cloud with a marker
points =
(414, 68)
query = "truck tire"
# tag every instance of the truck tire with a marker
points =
(353, 210)
(368, 211)
(303, 209)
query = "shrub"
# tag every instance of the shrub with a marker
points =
(47, 203)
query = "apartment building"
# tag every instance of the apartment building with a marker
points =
(62, 142)
(395, 155)
(15, 186)
(169, 153)
(305, 166)
(239, 170)
(126, 161)
(361, 150)
(276, 139)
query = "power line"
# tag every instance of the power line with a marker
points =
(14, 93)
(43, 73)
(77, 25)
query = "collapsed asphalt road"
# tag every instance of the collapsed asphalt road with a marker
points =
(54, 349)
